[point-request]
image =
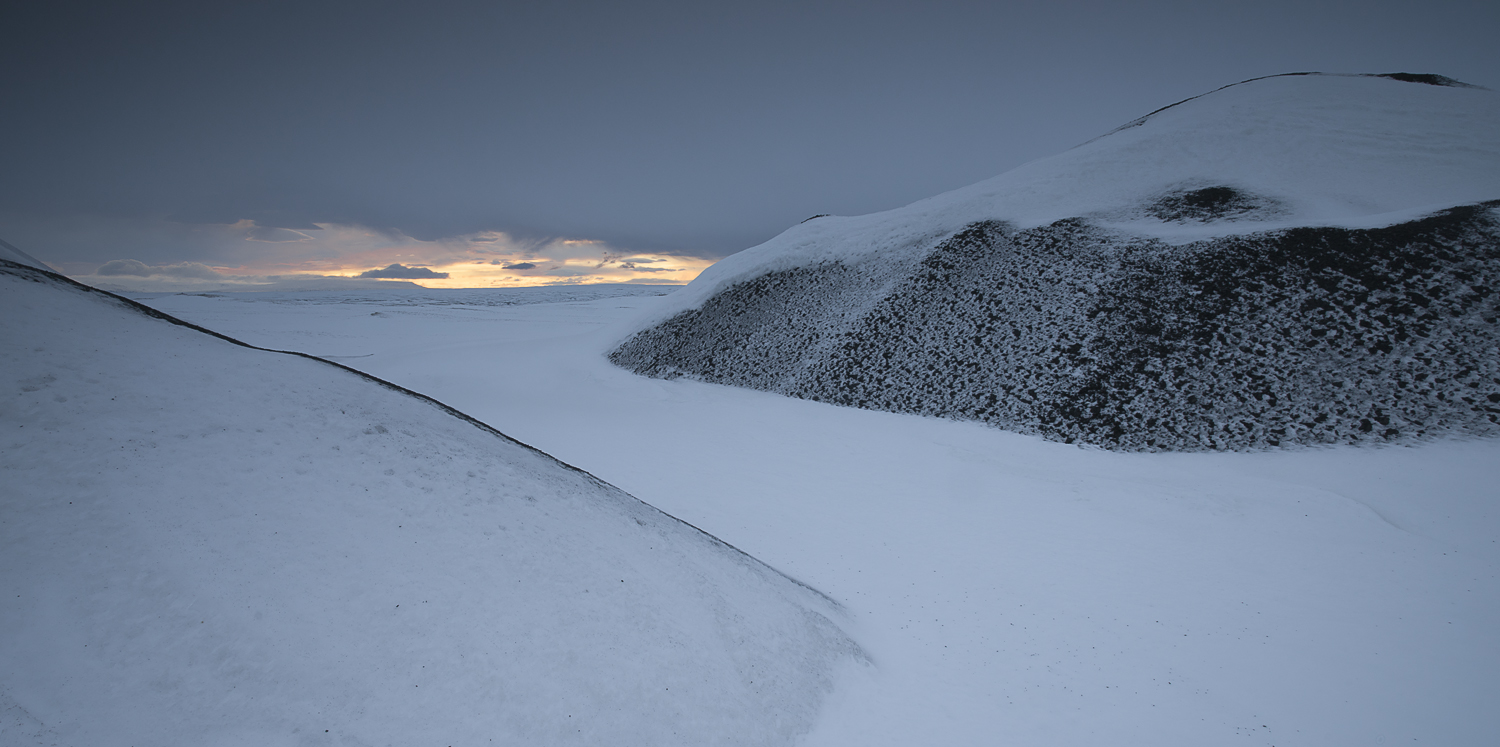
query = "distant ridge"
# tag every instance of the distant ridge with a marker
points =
(1426, 78)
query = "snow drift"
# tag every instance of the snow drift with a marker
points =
(204, 543)
(1295, 259)
(1012, 591)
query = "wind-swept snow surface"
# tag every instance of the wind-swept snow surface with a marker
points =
(10, 253)
(1011, 590)
(203, 543)
(1297, 259)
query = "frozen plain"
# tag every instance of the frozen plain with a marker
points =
(1008, 590)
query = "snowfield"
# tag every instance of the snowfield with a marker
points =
(203, 543)
(1007, 589)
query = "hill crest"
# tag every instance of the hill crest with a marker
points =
(1260, 211)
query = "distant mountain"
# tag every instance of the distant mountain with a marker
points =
(206, 543)
(1299, 259)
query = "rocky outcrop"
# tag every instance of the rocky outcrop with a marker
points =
(1086, 334)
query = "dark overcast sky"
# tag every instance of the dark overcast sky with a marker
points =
(697, 128)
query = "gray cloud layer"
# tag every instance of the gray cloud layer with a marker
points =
(135, 268)
(696, 128)
(134, 276)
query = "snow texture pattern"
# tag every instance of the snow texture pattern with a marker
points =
(1081, 334)
(203, 542)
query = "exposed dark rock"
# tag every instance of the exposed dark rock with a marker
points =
(1301, 336)
(1427, 78)
(1208, 204)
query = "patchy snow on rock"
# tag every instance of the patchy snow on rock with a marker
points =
(204, 543)
(1299, 259)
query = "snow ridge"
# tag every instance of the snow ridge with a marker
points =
(11, 253)
(1424, 78)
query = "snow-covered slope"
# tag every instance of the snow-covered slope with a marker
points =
(1010, 591)
(10, 253)
(203, 543)
(1294, 259)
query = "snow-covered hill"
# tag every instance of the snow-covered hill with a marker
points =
(1008, 590)
(1294, 259)
(11, 253)
(204, 543)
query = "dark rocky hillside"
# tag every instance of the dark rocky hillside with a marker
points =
(1082, 334)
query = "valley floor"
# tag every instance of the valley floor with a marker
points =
(1009, 590)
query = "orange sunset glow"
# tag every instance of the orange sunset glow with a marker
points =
(336, 253)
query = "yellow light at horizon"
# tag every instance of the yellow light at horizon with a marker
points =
(682, 270)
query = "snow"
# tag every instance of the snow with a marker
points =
(10, 253)
(221, 576)
(1295, 260)
(1328, 150)
(203, 543)
(1010, 590)
(1080, 334)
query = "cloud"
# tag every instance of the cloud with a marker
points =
(241, 283)
(628, 263)
(136, 268)
(135, 276)
(189, 270)
(625, 263)
(170, 257)
(124, 267)
(271, 234)
(285, 283)
(402, 272)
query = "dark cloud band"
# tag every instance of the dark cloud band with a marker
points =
(402, 272)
